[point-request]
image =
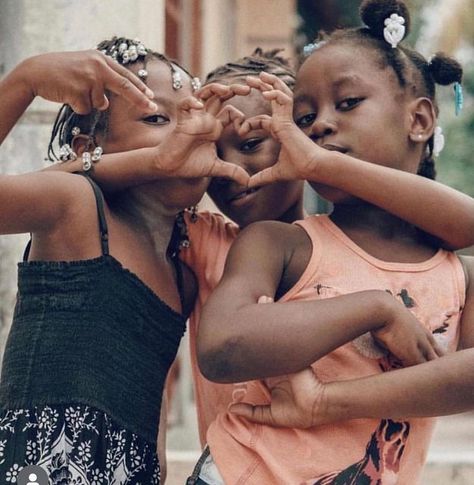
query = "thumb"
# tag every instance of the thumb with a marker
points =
(260, 414)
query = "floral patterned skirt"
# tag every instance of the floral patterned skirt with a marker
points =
(74, 444)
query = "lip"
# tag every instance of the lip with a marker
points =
(334, 148)
(243, 197)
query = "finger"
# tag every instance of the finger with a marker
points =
(239, 89)
(265, 299)
(81, 105)
(230, 171)
(190, 103)
(99, 99)
(257, 83)
(130, 76)
(213, 89)
(125, 84)
(436, 346)
(257, 414)
(279, 96)
(265, 177)
(231, 115)
(276, 82)
(260, 122)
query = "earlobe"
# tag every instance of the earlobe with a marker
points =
(422, 120)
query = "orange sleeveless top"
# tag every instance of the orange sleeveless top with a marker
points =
(357, 451)
(211, 237)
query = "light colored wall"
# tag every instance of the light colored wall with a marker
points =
(29, 27)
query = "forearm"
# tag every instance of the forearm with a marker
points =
(15, 97)
(273, 339)
(117, 171)
(439, 387)
(415, 199)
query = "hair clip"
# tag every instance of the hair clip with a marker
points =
(195, 83)
(394, 30)
(86, 161)
(458, 98)
(308, 49)
(66, 153)
(142, 74)
(438, 141)
(177, 81)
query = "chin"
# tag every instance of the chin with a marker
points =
(183, 193)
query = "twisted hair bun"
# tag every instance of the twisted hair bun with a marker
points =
(445, 70)
(374, 12)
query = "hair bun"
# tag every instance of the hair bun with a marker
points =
(445, 70)
(374, 12)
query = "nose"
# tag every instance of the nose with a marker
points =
(322, 127)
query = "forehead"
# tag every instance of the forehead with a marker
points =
(251, 105)
(341, 64)
(159, 80)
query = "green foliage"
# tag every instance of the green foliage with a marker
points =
(456, 162)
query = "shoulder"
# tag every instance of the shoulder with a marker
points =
(468, 266)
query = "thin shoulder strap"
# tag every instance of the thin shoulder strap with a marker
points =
(104, 231)
(173, 252)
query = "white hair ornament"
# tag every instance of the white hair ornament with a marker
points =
(394, 30)
(438, 141)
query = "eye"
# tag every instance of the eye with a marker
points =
(156, 119)
(306, 120)
(250, 145)
(348, 103)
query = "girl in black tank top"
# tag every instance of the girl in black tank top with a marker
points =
(102, 297)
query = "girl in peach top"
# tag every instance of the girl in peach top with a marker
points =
(345, 99)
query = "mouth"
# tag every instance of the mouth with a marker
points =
(242, 197)
(334, 148)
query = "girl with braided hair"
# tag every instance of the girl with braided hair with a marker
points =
(339, 280)
(102, 297)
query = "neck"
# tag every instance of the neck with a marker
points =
(151, 217)
(369, 218)
(295, 213)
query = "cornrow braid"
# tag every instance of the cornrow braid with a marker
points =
(96, 122)
(413, 71)
(257, 62)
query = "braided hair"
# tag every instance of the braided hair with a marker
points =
(413, 71)
(257, 62)
(96, 122)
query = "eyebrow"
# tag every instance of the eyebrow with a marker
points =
(348, 79)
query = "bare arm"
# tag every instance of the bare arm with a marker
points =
(444, 386)
(415, 199)
(79, 79)
(38, 202)
(239, 339)
(437, 388)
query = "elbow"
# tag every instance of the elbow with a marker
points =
(220, 363)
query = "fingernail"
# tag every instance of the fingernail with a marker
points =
(152, 106)
(149, 93)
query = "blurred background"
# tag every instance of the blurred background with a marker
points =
(202, 34)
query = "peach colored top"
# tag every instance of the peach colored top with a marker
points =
(211, 237)
(358, 451)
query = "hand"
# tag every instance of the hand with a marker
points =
(298, 154)
(81, 79)
(297, 401)
(190, 150)
(404, 336)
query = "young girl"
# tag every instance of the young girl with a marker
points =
(102, 298)
(255, 150)
(348, 92)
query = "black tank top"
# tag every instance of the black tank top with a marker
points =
(90, 332)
